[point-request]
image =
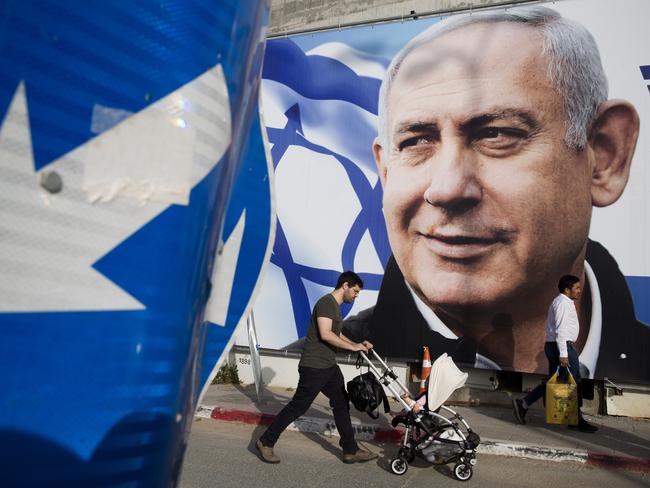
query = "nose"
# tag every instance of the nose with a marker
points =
(454, 183)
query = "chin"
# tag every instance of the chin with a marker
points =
(455, 301)
(461, 292)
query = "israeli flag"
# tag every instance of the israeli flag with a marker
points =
(320, 111)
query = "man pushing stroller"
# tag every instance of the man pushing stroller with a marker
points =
(320, 373)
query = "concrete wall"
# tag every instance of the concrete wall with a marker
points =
(289, 16)
(282, 372)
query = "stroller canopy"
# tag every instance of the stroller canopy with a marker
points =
(445, 377)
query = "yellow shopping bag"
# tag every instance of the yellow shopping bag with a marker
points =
(561, 401)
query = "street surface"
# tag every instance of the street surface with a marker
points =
(223, 454)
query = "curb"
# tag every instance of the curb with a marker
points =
(371, 432)
(316, 425)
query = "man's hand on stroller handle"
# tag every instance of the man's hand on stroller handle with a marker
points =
(364, 346)
(340, 340)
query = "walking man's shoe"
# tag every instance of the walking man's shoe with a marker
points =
(584, 426)
(520, 411)
(361, 456)
(267, 453)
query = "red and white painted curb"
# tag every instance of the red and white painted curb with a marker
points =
(318, 425)
(375, 433)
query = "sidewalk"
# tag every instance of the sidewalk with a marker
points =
(621, 442)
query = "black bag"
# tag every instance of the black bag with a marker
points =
(366, 394)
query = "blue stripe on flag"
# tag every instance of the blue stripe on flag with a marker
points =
(645, 72)
(318, 77)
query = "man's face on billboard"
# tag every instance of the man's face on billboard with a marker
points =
(484, 202)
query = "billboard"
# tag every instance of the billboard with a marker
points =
(465, 195)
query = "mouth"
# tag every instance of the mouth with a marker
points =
(461, 246)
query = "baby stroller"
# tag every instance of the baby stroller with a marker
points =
(436, 433)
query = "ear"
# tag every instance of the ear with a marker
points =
(612, 141)
(382, 167)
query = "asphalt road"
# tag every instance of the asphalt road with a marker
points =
(222, 454)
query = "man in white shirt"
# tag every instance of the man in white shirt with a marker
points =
(562, 329)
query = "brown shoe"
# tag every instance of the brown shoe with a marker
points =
(361, 456)
(267, 453)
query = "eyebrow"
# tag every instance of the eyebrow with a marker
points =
(522, 116)
(422, 127)
(409, 127)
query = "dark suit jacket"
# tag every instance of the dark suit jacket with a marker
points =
(397, 329)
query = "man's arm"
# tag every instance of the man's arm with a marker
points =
(368, 344)
(327, 335)
(561, 335)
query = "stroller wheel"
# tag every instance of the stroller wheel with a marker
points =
(407, 454)
(399, 466)
(463, 471)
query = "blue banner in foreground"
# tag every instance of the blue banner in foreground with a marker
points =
(124, 133)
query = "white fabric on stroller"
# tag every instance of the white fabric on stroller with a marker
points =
(445, 377)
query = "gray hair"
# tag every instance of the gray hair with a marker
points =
(574, 70)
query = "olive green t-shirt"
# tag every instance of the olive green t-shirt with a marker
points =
(318, 353)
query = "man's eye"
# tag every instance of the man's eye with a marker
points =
(415, 141)
(499, 141)
(491, 133)
(501, 133)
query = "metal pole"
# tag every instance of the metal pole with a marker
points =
(255, 354)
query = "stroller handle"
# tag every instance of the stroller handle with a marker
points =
(375, 356)
(387, 377)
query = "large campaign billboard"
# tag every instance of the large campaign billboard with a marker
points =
(493, 156)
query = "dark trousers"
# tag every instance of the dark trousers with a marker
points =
(553, 356)
(313, 381)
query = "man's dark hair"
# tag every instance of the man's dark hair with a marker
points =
(567, 281)
(349, 277)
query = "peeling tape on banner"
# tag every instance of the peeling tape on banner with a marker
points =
(161, 152)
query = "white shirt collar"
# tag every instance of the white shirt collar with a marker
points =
(435, 324)
(589, 354)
